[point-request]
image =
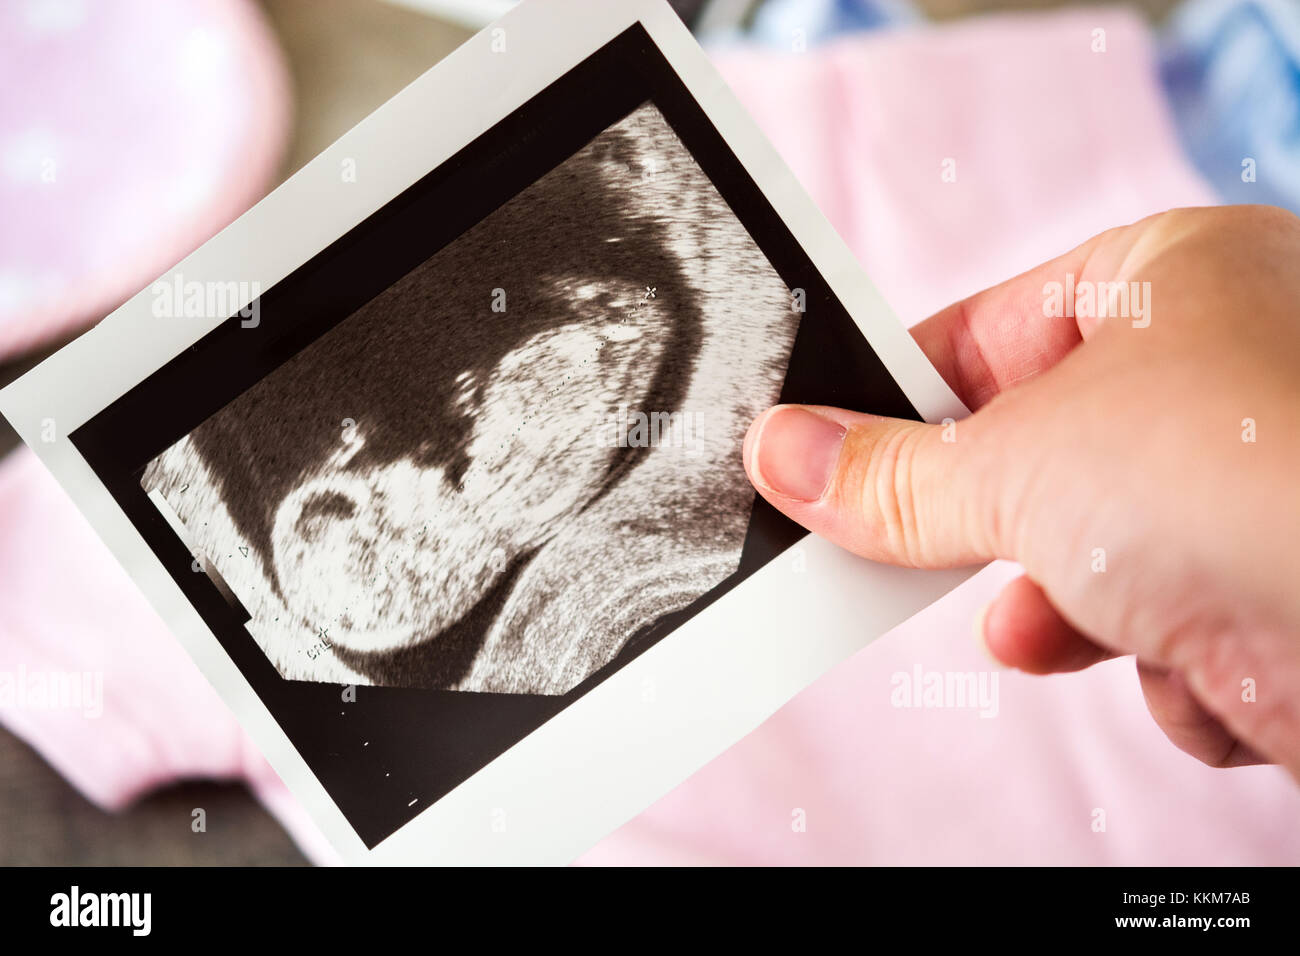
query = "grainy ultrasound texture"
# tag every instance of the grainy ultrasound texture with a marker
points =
(518, 457)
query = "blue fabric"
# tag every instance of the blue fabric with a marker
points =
(785, 24)
(1232, 71)
(820, 20)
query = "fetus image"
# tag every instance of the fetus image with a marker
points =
(516, 459)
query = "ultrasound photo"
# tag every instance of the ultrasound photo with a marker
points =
(518, 458)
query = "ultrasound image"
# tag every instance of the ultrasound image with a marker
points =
(520, 456)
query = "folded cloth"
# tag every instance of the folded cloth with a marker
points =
(1232, 70)
(145, 128)
(1051, 143)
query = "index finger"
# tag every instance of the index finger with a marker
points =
(988, 342)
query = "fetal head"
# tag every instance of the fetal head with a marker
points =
(384, 558)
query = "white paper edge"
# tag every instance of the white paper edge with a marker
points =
(662, 717)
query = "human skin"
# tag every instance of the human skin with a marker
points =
(1094, 434)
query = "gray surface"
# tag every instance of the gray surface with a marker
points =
(47, 823)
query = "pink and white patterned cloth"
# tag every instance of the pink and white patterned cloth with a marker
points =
(131, 131)
(1051, 143)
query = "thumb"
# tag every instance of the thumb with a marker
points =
(895, 491)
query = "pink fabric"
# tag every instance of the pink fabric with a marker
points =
(67, 608)
(1052, 143)
(143, 129)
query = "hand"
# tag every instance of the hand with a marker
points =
(1143, 468)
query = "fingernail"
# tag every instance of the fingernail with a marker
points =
(795, 452)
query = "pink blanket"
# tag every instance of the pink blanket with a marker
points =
(143, 129)
(1051, 142)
